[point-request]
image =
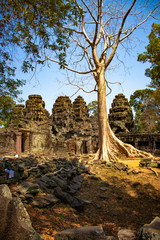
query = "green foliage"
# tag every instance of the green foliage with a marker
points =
(146, 104)
(138, 100)
(6, 107)
(35, 27)
(93, 108)
(152, 55)
(150, 118)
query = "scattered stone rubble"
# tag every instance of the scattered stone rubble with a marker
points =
(55, 181)
(43, 184)
(15, 224)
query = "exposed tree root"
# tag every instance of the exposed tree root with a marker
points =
(153, 171)
(115, 147)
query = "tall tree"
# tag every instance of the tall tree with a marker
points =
(139, 101)
(152, 55)
(105, 25)
(146, 102)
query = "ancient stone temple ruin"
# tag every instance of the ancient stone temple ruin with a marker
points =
(29, 130)
(69, 130)
(120, 115)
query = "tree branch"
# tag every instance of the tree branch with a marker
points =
(89, 11)
(70, 69)
(80, 88)
(119, 33)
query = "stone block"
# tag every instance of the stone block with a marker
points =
(82, 233)
(151, 231)
(126, 234)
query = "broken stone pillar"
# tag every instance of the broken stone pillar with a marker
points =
(19, 143)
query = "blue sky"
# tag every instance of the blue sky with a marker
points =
(49, 82)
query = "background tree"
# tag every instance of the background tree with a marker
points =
(152, 55)
(93, 108)
(146, 102)
(150, 118)
(139, 100)
(6, 106)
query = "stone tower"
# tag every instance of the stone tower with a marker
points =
(35, 109)
(62, 114)
(120, 115)
(82, 123)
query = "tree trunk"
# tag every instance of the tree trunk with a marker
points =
(110, 147)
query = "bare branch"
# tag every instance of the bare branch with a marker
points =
(127, 35)
(73, 30)
(80, 88)
(84, 32)
(101, 22)
(110, 90)
(64, 66)
(89, 11)
(119, 33)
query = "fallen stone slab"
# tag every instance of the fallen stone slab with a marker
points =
(82, 233)
(65, 197)
(151, 231)
(75, 184)
(28, 188)
(45, 201)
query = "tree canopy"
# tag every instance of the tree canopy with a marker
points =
(6, 106)
(146, 102)
(30, 28)
(34, 26)
(152, 55)
(93, 108)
